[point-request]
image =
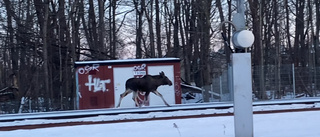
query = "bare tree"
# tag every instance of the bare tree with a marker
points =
(317, 31)
(224, 29)
(187, 48)
(140, 8)
(101, 30)
(42, 10)
(168, 17)
(149, 16)
(299, 32)
(112, 27)
(176, 44)
(158, 29)
(277, 45)
(10, 39)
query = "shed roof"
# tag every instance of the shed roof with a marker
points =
(80, 63)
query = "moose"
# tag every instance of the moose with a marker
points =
(147, 84)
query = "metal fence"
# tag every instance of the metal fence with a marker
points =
(221, 86)
(269, 82)
(272, 82)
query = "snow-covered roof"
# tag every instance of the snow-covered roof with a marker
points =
(127, 61)
(190, 86)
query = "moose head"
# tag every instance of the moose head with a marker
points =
(165, 80)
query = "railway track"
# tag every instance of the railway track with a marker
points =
(115, 115)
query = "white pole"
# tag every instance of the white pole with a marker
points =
(293, 82)
(242, 90)
(21, 104)
(220, 88)
(30, 107)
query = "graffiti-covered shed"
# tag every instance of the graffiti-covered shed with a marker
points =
(100, 83)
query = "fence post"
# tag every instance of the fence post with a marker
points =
(293, 81)
(221, 89)
(230, 82)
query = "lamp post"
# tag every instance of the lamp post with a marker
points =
(242, 39)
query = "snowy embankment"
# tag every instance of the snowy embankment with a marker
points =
(152, 115)
(291, 124)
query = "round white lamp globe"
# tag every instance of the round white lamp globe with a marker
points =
(243, 39)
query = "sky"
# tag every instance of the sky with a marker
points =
(291, 124)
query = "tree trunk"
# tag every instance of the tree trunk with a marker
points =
(114, 33)
(316, 42)
(187, 49)
(85, 26)
(158, 30)
(101, 31)
(43, 20)
(299, 28)
(176, 44)
(196, 54)
(62, 27)
(277, 48)
(287, 28)
(112, 28)
(70, 78)
(168, 21)
(139, 26)
(224, 30)
(205, 40)
(11, 45)
(14, 52)
(149, 16)
(258, 50)
(92, 29)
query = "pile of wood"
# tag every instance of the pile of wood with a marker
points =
(8, 94)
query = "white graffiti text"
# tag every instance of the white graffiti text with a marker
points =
(87, 69)
(97, 84)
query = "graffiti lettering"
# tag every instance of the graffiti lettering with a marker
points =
(135, 73)
(140, 68)
(139, 71)
(87, 69)
(97, 84)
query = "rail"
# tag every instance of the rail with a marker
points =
(116, 111)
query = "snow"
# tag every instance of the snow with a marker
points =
(293, 124)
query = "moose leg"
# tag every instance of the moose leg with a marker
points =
(128, 91)
(135, 97)
(146, 98)
(158, 94)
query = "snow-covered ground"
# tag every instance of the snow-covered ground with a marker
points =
(293, 124)
(297, 124)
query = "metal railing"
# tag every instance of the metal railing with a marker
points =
(277, 82)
